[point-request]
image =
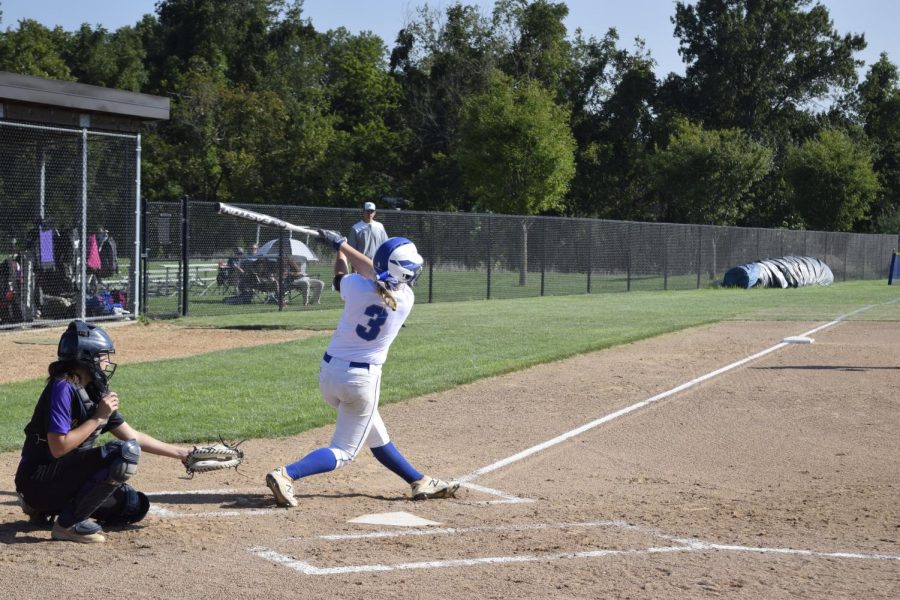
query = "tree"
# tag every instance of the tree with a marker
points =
(231, 37)
(221, 139)
(438, 64)
(754, 63)
(879, 108)
(516, 151)
(113, 60)
(34, 50)
(364, 101)
(832, 181)
(612, 122)
(707, 176)
(536, 42)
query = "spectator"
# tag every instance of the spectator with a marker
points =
(368, 233)
(254, 248)
(295, 277)
(234, 261)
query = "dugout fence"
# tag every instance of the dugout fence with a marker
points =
(69, 199)
(193, 255)
(70, 172)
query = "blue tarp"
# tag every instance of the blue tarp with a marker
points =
(787, 271)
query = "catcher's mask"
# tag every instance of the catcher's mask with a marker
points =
(87, 343)
(397, 261)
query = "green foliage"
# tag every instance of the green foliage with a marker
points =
(707, 176)
(833, 181)
(114, 60)
(753, 63)
(516, 151)
(879, 107)
(264, 108)
(32, 49)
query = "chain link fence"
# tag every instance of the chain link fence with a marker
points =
(67, 237)
(201, 263)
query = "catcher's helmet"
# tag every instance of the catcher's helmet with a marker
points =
(85, 343)
(397, 261)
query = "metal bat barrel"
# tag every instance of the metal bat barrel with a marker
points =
(242, 213)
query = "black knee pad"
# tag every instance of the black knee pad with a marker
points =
(123, 459)
(126, 505)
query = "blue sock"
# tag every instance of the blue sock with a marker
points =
(317, 461)
(389, 456)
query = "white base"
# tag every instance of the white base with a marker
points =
(397, 519)
(797, 339)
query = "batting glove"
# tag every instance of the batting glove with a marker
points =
(332, 237)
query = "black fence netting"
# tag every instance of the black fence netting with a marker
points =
(199, 262)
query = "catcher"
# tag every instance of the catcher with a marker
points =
(61, 472)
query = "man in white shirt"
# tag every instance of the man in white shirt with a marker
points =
(367, 234)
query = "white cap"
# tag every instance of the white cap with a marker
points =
(369, 206)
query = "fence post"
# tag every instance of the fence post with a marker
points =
(487, 222)
(84, 171)
(865, 256)
(846, 252)
(666, 264)
(699, 253)
(543, 253)
(145, 254)
(590, 254)
(185, 242)
(137, 288)
(431, 265)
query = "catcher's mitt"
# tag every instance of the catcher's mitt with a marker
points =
(214, 457)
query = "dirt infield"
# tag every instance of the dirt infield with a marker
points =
(777, 478)
(26, 354)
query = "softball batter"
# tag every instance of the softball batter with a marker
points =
(377, 299)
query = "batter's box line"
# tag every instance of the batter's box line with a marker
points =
(684, 545)
(505, 498)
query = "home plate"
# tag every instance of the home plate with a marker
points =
(398, 519)
(797, 339)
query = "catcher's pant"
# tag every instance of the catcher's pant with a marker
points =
(52, 488)
(353, 390)
(48, 487)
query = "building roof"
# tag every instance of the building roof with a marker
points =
(81, 98)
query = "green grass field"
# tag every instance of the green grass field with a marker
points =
(272, 390)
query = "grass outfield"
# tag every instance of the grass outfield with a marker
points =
(272, 390)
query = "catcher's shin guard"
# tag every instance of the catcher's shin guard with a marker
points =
(125, 505)
(123, 458)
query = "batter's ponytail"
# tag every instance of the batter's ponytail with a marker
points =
(386, 295)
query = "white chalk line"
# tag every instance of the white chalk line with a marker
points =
(393, 533)
(644, 403)
(684, 545)
(308, 569)
(505, 497)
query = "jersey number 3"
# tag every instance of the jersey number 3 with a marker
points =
(379, 315)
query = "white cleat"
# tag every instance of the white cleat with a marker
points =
(282, 487)
(428, 488)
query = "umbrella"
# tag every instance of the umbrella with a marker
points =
(297, 249)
